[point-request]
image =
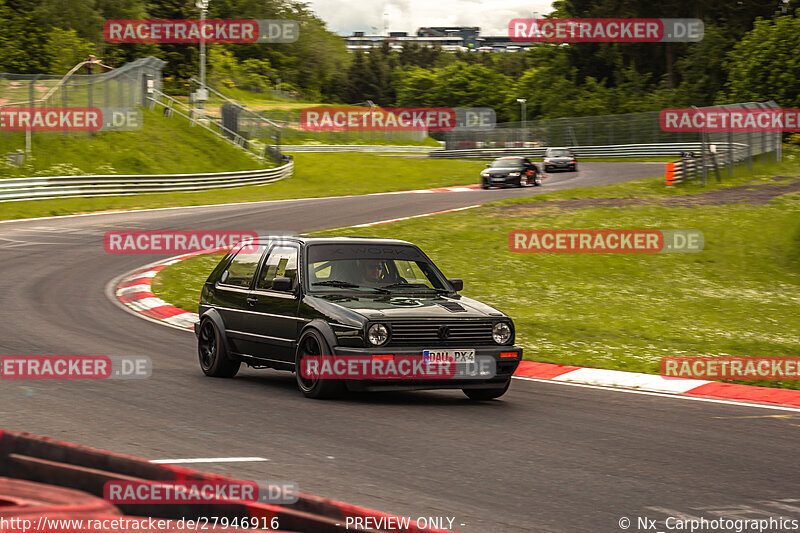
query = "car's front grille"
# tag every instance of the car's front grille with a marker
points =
(441, 333)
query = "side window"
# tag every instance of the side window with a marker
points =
(281, 263)
(243, 267)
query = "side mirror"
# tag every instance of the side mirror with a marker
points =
(224, 277)
(282, 284)
(488, 165)
(456, 283)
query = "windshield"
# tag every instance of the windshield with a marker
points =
(560, 153)
(506, 163)
(376, 268)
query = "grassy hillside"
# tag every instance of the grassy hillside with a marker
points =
(163, 145)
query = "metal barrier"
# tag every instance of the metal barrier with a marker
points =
(357, 148)
(18, 189)
(691, 166)
(622, 150)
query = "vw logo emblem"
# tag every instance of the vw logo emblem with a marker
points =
(444, 332)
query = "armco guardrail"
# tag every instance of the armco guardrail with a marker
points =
(16, 189)
(621, 150)
(43, 460)
(692, 166)
(356, 148)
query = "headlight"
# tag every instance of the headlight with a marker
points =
(501, 333)
(377, 334)
(484, 174)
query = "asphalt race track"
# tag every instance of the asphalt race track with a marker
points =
(546, 457)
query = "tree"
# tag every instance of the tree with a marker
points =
(765, 64)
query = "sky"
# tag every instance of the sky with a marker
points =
(492, 16)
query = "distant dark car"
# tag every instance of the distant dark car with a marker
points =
(510, 172)
(559, 158)
(271, 303)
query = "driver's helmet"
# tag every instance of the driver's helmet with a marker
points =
(373, 270)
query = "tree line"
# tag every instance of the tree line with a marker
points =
(750, 51)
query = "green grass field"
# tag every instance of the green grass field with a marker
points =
(162, 146)
(180, 284)
(324, 174)
(739, 296)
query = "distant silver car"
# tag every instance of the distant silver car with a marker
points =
(559, 158)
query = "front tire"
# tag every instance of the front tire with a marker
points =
(213, 355)
(480, 395)
(312, 343)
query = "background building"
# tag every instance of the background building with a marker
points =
(450, 39)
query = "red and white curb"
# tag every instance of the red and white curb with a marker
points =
(135, 293)
(464, 188)
(695, 388)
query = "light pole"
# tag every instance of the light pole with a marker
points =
(522, 102)
(202, 94)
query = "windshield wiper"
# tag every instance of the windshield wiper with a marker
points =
(336, 283)
(345, 285)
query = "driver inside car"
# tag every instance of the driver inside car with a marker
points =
(374, 272)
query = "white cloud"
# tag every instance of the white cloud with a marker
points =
(346, 16)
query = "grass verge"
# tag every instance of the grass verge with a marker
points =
(180, 284)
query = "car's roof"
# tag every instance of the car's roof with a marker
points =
(510, 157)
(324, 239)
(558, 148)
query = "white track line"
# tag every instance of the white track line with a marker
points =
(210, 460)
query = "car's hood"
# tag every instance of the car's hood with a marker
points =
(500, 171)
(404, 306)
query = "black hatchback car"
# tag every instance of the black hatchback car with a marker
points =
(510, 172)
(273, 302)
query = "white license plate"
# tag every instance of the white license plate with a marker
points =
(449, 356)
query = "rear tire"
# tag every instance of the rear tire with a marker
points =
(313, 343)
(214, 359)
(480, 395)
